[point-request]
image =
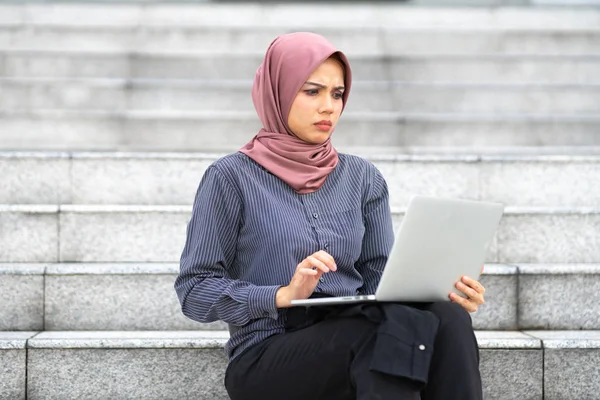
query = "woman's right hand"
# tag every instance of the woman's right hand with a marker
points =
(306, 278)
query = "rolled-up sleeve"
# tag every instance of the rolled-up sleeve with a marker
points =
(205, 290)
(379, 233)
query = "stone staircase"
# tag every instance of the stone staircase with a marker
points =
(109, 115)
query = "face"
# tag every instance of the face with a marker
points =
(318, 105)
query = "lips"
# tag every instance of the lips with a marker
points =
(323, 125)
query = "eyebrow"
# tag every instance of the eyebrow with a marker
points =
(323, 86)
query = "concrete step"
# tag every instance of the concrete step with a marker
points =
(195, 95)
(296, 15)
(514, 179)
(514, 365)
(228, 130)
(395, 40)
(479, 68)
(92, 297)
(569, 370)
(13, 364)
(141, 297)
(80, 233)
(544, 290)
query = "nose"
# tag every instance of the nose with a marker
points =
(326, 105)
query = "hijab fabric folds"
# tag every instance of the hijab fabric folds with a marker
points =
(289, 61)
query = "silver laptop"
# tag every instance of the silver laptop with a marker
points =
(439, 241)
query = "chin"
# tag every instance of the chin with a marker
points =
(317, 138)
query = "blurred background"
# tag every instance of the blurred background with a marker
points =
(111, 111)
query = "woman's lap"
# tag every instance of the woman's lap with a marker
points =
(315, 362)
(310, 363)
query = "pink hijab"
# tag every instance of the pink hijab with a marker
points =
(289, 61)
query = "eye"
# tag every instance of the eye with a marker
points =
(312, 92)
(338, 95)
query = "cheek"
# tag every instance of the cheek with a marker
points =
(303, 106)
(338, 109)
(301, 109)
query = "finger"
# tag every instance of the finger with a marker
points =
(471, 293)
(474, 284)
(326, 258)
(466, 304)
(307, 271)
(311, 261)
(482, 268)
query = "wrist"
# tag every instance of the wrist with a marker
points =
(282, 298)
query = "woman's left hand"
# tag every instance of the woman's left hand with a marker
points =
(474, 292)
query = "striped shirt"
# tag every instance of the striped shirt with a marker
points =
(249, 230)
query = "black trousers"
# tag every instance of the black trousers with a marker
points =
(329, 358)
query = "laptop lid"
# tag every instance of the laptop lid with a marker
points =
(439, 241)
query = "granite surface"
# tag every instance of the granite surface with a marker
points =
(21, 302)
(559, 269)
(512, 374)
(367, 40)
(500, 308)
(538, 183)
(72, 269)
(370, 16)
(541, 237)
(28, 234)
(506, 340)
(157, 181)
(559, 300)
(12, 374)
(22, 269)
(572, 373)
(115, 302)
(92, 234)
(126, 374)
(13, 364)
(129, 340)
(41, 178)
(15, 340)
(568, 339)
(445, 179)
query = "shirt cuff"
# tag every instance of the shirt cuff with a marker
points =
(261, 302)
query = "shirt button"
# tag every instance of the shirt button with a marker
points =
(326, 246)
(322, 279)
(422, 347)
(315, 215)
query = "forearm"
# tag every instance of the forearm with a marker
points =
(232, 301)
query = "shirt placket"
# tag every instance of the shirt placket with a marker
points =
(312, 209)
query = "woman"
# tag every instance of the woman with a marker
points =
(287, 217)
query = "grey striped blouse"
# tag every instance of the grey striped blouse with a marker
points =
(249, 230)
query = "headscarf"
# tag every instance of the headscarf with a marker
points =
(289, 61)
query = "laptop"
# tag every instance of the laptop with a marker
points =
(439, 241)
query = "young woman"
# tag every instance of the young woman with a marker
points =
(287, 217)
